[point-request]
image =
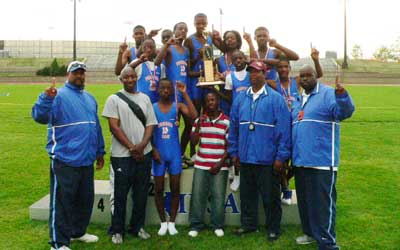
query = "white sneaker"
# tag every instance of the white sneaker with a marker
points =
(143, 234)
(61, 248)
(87, 238)
(163, 229)
(235, 183)
(193, 233)
(117, 239)
(304, 240)
(287, 202)
(171, 228)
(219, 232)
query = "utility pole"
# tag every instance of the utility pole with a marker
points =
(74, 42)
(345, 64)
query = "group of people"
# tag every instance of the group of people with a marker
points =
(262, 122)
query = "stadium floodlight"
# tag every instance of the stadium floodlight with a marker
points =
(74, 42)
(345, 64)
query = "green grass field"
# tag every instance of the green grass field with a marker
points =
(368, 204)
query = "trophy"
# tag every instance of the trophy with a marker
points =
(208, 59)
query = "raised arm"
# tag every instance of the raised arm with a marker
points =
(291, 55)
(189, 110)
(315, 58)
(164, 52)
(43, 107)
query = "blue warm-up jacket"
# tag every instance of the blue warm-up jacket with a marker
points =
(270, 139)
(315, 136)
(74, 132)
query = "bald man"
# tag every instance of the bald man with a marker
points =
(316, 114)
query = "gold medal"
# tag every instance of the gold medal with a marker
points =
(251, 126)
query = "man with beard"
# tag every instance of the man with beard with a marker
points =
(316, 114)
(75, 141)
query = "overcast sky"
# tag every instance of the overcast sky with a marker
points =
(294, 23)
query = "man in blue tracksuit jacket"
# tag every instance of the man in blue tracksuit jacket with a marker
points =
(316, 114)
(259, 142)
(74, 142)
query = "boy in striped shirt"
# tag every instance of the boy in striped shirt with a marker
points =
(210, 168)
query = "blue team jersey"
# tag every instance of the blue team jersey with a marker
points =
(290, 93)
(177, 70)
(200, 63)
(166, 133)
(133, 54)
(239, 86)
(148, 81)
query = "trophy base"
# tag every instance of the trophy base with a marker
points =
(199, 84)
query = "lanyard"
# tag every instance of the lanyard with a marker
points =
(266, 55)
(286, 94)
(176, 104)
(300, 116)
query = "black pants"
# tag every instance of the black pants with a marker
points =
(128, 174)
(258, 180)
(71, 202)
(316, 198)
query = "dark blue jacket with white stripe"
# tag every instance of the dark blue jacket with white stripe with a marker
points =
(74, 132)
(270, 139)
(315, 137)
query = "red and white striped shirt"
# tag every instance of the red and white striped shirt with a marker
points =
(213, 141)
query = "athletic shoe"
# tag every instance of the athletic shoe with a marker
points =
(117, 239)
(171, 228)
(273, 236)
(287, 197)
(87, 238)
(304, 240)
(163, 229)
(61, 248)
(219, 232)
(143, 234)
(193, 233)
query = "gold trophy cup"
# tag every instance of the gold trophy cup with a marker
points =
(208, 59)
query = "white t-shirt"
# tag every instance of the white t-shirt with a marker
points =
(151, 65)
(117, 108)
(257, 94)
(240, 75)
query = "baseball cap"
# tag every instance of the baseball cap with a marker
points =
(257, 65)
(75, 65)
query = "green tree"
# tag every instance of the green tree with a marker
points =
(356, 52)
(383, 54)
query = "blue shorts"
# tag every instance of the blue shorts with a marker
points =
(174, 167)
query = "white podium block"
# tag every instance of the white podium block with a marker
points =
(102, 209)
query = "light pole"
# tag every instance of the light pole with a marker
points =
(51, 42)
(345, 64)
(74, 42)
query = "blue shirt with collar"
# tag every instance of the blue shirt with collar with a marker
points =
(74, 132)
(270, 139)
(315, 134)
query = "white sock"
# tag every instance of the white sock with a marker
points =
(235, 183)
(171, 228)
(163, 228)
